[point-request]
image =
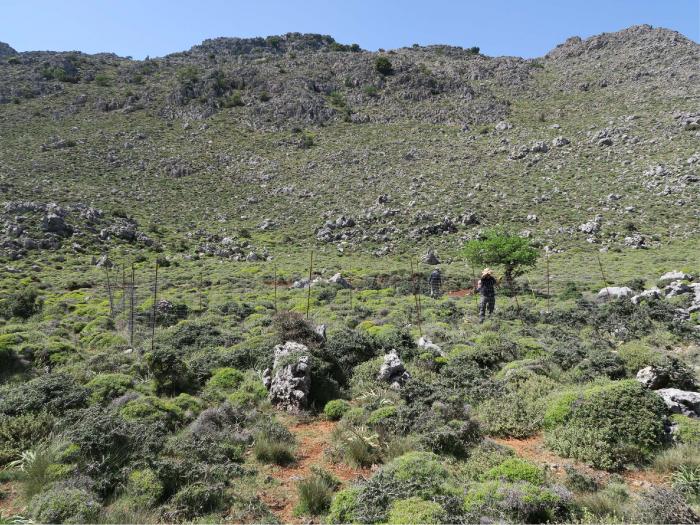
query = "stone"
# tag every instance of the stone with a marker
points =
(652, 377)
(393, 371)
(677, 288)
(559, 142)
(675, 276)
(289, 381)
(104, 262)
(503, 126)
(320, 330)
(615, 292)
(539, 147)
(427, 345)
(339, 280)
(590, 226)
(647, 295)
(54, 223)
(431, 258)
(681, 401)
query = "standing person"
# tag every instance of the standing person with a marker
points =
(487, 288)
(435, 282)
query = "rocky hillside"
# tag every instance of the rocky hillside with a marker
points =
(300, 137)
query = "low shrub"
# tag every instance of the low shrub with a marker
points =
(65, 505)
(415, 511)
(383, 66)
(54, 393)
(455, 437)
(381, 415)
(516, 469)
(661, 505)
(23, 303)
(343, 506)
(335, 409)
(105, 387)
(144, 488)
(674, 458)
(169, 371)
(607, 425)
(578, 480)
(20, 433)
(197, 499)
(250, 393)
(686, 430)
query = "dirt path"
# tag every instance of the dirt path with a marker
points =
(534, 450)
(10, 501)
(313, 438)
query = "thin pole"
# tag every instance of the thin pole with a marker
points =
(548, 298)
(274, 278)
(415, 295)
(308, 293)
(476, 300)
(131, 307)
(123, 301)
(420, 301)
(600, 265)
(201, 291)
(109, 292)
(155, 310)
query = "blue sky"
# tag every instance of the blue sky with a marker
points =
(500, 27)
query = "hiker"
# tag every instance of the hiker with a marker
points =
(435, 282)
(487, 289)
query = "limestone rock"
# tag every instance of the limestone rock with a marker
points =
(647, 295)
(652, 378)
(615, 292)
(289, 381)
(681, 401)
(431, 258)
(393, 371)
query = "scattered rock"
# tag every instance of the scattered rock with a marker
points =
(339, 280)
(615, 292)
(652, 377)
(393, 371)
(431, 258)
(647, 295)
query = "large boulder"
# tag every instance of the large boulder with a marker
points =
(652, 377)
(674, 276)
(677, 288)
(431, 258)
(427, 345)
(289, 381)
(393, 371)
(614, 292)
(55, 223)
(681, 401)
(339, 280)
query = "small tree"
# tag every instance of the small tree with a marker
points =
(383, 66)
(511, 252)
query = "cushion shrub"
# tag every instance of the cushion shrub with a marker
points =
(335, 409)
(65, 505)
(516, 469)
(415, 510)
(105, 387)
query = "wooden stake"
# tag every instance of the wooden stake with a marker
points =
(308, 294)
(415, 295)
(274, 273)
(131, 307)
(155, 309)
(109, 292)
(201, 291)
(548, 298)
(605, 281)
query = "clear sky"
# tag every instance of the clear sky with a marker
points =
(499, 27)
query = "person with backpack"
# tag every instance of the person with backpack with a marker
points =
(435, 283)
(486, 287)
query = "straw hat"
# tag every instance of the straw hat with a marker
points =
(487, 271)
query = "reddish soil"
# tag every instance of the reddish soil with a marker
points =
(461, 293)
(534, 450)
(10, 500)
(313, 438)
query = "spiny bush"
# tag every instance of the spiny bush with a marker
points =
(105, 387)
(65, 505)
(415, 510)
(54, 393)
(607, 425)
(23, 303)
(144, 488)
(291, 326)
(197, 499)
(661, 505)
(20, 433)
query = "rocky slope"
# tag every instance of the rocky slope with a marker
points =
(300, 137)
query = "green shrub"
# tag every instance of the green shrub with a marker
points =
(677, 457)
(381, 415)
(54, 393)
(169, 371)
(151, 409)
(520, 410)
(415, 511)
(20, 433)
(343, 507)
(661, 505)
(578, 480)
(197, 499)
(144, 488)
(23, 303)
(65, 505)
(335, 409)
(608, 425)
(687, 430)
(383, 66)
(105, 387)
(250, 393)
(455, 438)
(485, 456)
(516, 469)
(422, 469)
(224, 381)
(636, 355)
